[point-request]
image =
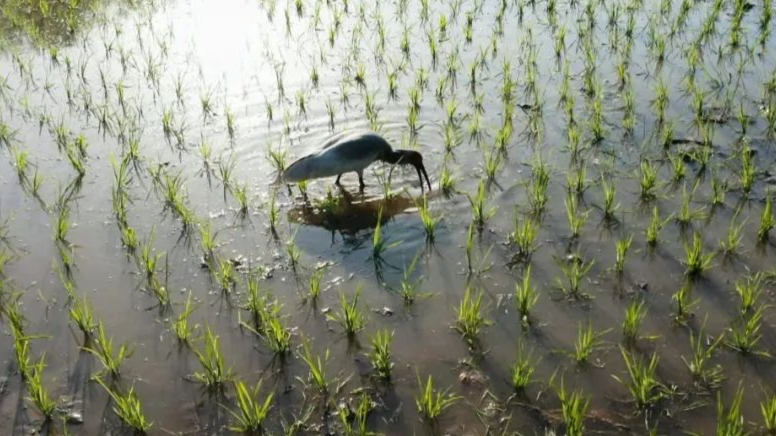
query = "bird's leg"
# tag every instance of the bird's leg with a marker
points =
(337, 182)
(361, 184)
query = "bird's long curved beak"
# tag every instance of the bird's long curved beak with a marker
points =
(422, 168)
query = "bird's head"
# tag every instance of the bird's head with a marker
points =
(410, 157)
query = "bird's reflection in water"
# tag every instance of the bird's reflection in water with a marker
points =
(350, 214)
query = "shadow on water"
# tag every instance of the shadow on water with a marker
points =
(350, 214)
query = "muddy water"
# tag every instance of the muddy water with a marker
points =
(169, 56)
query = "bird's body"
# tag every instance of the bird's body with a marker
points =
(350, 152)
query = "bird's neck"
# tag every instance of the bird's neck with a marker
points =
(392, 157)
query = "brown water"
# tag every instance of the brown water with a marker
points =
(121, 63)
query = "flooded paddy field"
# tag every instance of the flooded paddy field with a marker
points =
(596, 256)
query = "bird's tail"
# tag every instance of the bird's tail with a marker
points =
(296, 172)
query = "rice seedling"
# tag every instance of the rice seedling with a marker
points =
(277, 157)
(684, 302)
(749, 290)
(746, 333)
(349, 316)
(767, 221)
(148, 256)
(686, 214)
(62, 226)
(631, 323)
(180, 326)
(431, 402)
(537, 192)
(524, 236)
(622, 246)
(380, 354)
(643, 385)
(768, 410)
(224, 274)
(469, 317)
(128, 408)
(730, 422)
(610, 191)
(648, 179)
(429, 220)
(574, 273)
(360, 75)
(447, 181)
(205, 100)
(718, 191)
(492, 163)
(574, 408)
(522, 371)
(696, 260)
(679, 169)
(576, 181)
(480, 213)
(588, 341)
(316, 368)
(276, 335)
(20, 161)
(575, 218)
(273, 213)
(314, 285)
(729, 246)
(748, 174)
(21, 342)
(38, 393)
(526, 297)
(293, 252)
(251, 410)
(379, 245)
(111, 358)
(214, 374)
(81, 314)
(701, 369)
(409, 290)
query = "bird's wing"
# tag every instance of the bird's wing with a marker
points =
(334, 139)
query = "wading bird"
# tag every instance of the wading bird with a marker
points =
(352, 151)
